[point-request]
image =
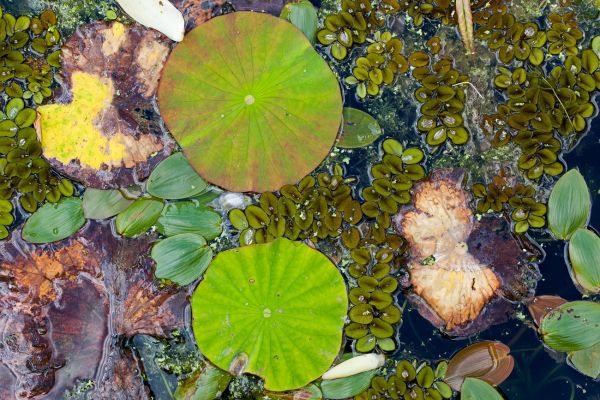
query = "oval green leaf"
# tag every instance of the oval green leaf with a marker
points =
(251, 113)
(280, 305)
(569, 205)
(102, 204)
(204, 384)
(476, 389)
(304, 17)
(349, 386)
(54, 221)
(138, 217)
(189, 217)
(572, 326)
(587, 361)
(181, 258)
(584, 254)
(359, 129)
(174, 178)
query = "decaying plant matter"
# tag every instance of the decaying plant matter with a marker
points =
(465, 274)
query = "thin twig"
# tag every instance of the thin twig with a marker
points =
(473, 86)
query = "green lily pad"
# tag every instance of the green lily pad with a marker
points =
(584, 254)
(587, 361)
(477, 389)
(569, 205)
(359, 129)
(189, 217)
(174, 178)
(54, 221)
(138, 217)
(281, 306)
(181, 258)
(572, 326)
(251, 103)
(102, 204)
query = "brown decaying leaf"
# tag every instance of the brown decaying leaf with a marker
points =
(465, 274)
(129, 60)
(542, 305)
(63, 323)
(487, 360)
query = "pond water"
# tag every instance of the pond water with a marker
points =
(539, 373)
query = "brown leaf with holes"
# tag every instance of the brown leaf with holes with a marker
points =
(465, 274)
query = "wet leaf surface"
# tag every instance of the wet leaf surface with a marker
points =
(66, 306)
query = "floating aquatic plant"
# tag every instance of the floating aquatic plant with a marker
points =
(359, 129)
(569, 205)
(410, 381)
(259, 129)
(241, 305)
(476, 262)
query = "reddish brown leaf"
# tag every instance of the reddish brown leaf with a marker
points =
(542, 305)
(487, 360)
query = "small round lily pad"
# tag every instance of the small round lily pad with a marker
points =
(250, 101)
(280, 306)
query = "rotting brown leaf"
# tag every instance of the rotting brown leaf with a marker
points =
(465, 274)
(67, 321)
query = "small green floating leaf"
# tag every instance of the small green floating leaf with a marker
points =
(587, 361)
(584, 254)
(53, 222)
(572, 326)
(174, 178)
(138, 217)
(476, 389)
(304, 17)
(205, 384)
(102, 204)
(189, 217)
(181, 258)
(569, 205)
(359, 129)
(349, 386)
(280, 305)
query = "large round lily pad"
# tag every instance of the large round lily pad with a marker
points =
(279, 305)
(251, 103)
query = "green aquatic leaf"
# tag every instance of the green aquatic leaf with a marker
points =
(349, 386)
(54, 221)
(587, 361)
(359, 129)
(303, 15)
(584, 254)
(174, 178)
(569, 205)
(189, 217)
(476, 389)
(181, 258)
(138, 217)
(102, 204)
(255, 113)
(572, 326)
(205, 384)
(279, 306)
